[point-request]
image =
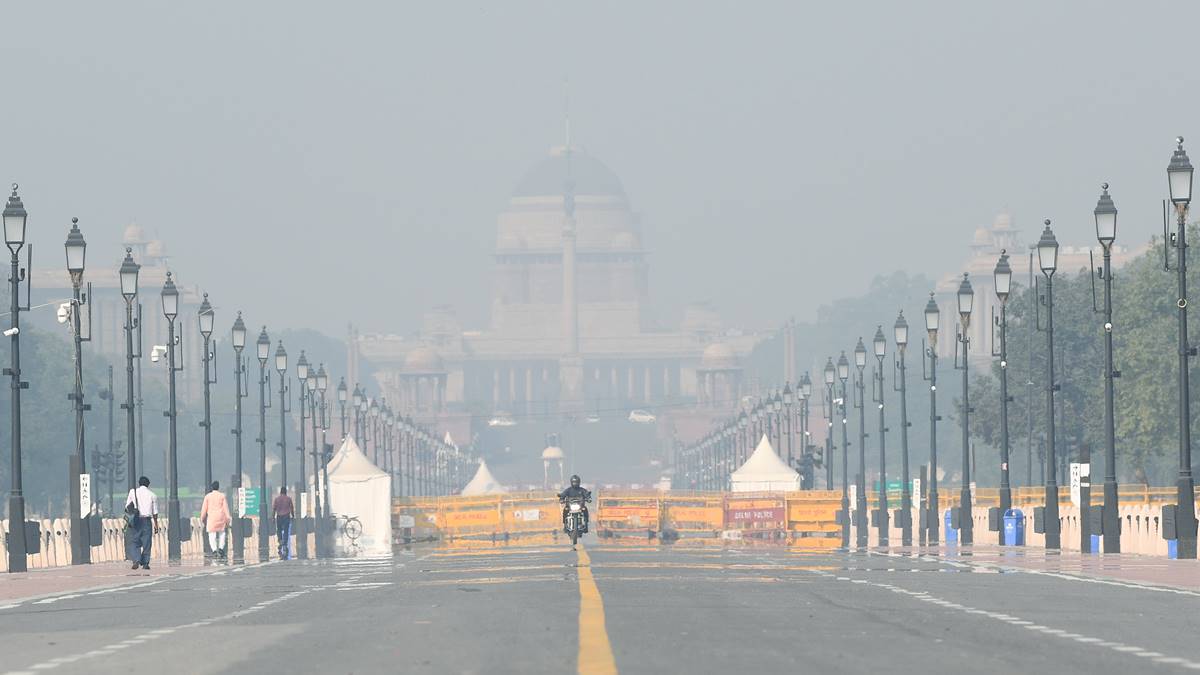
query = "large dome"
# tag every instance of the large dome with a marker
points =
(549, 176)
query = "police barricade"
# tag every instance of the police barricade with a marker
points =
(760, 516)
(469, 517)
(696, 515)
(414, 519)
(626, 514)
(812, 519)
(530, 514)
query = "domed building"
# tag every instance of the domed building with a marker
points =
(570, 328)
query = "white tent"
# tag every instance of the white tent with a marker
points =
(484, 483)
(359, 488)
(764, 471)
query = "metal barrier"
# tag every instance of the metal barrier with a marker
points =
(812, 519)
(623, 514)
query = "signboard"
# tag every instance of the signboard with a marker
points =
(916, 492)
(248, 501)
(853, 495)
(478, 517)
(527, 514)
(972, 493)
(1074, 483)
(762, 513)
(631, 514)
(85, 495)
(406, 521)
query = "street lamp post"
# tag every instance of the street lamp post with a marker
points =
(322, 385)
(341, 397)
(805, 392)
(787, 400)
(882, 518)
(14, 236)
(373, 412)
(129, 289)
(357, 401)
(81, 549)
(843, 373)
(1047, 249)
(315, 410)
(966, 302)
(1110, 518)
(170, 308)
(281, 368)
(302, 529)
(241, 390)
(264, 531)
(932, 514)
(1002, 276)
(900, 333)
(206, 318)
(860, 383)
(1179, 175)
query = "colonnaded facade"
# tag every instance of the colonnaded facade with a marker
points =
(570, 331)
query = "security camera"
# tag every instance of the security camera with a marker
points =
(64, 312)
(12, 331)
(156, 352)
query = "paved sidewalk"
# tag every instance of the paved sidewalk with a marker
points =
(74, 578)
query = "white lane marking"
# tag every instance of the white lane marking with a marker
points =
(1046, 630)
(113, 648)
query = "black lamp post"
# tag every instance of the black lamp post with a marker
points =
(281, 368)
(1110, 518)
(322, 386)
(843, 374)
(315, 413)
(1179, 177)
(804, 392)
(301, 528)
(860, 383)
(1047, 249)
(373, 415)
(264, 529)
(879, 343)
(81, 549)
(129, 290)
(966, 302)
(206, 318)
(828, 374)
(933, 514)
(356, 401)
(241, 390)
(341, 397)
(1002, 276)
(170, 308)
(900, 333)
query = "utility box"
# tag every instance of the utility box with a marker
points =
(1039, 519)
(1168, 522)
(1014, 527)
(951, 535)
(994, 519)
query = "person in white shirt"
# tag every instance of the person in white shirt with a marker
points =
(144, 503)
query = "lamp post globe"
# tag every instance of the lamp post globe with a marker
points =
(206, 318)
(264, 347)
(1179, 177)
(281, 359)
(933, 316)
(860, 355)
(76, 249)
(805, 386)
(170, 299)
(1002, 277)
(302, 368)
(843, 368)
(238, 334)
(1105, 215)
(1047, 250)
(879, 343)
(15, 218)
(829, 372)
(900, 331)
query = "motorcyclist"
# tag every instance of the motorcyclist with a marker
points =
(575, 492)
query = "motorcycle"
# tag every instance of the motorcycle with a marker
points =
(574, 520)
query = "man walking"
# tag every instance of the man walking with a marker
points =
(214, 513)
(282, 507)
(142, 505)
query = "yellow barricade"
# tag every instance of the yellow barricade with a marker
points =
(535, 513)
(694, 515)
(627, 513)
(812, 519)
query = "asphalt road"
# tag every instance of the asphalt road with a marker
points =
(642, 609)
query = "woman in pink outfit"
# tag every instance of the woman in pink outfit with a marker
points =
(215, 514)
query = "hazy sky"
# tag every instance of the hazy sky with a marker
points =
(314, 163)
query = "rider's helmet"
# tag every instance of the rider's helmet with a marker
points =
(575, 481)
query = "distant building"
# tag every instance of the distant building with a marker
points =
(570, 329)
(984, 252)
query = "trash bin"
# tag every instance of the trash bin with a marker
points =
(1014, 527)
(951, 537)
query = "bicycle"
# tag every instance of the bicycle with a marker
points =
(351, 529)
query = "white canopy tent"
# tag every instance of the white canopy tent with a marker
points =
(764, 471)
(359, 488)
(484, 483)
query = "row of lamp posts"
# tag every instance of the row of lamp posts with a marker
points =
(709, 461)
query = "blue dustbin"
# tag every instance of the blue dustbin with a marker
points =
(1173, 548)
(1014, 528)
(951, 537)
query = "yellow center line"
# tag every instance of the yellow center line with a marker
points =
(595, 652)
